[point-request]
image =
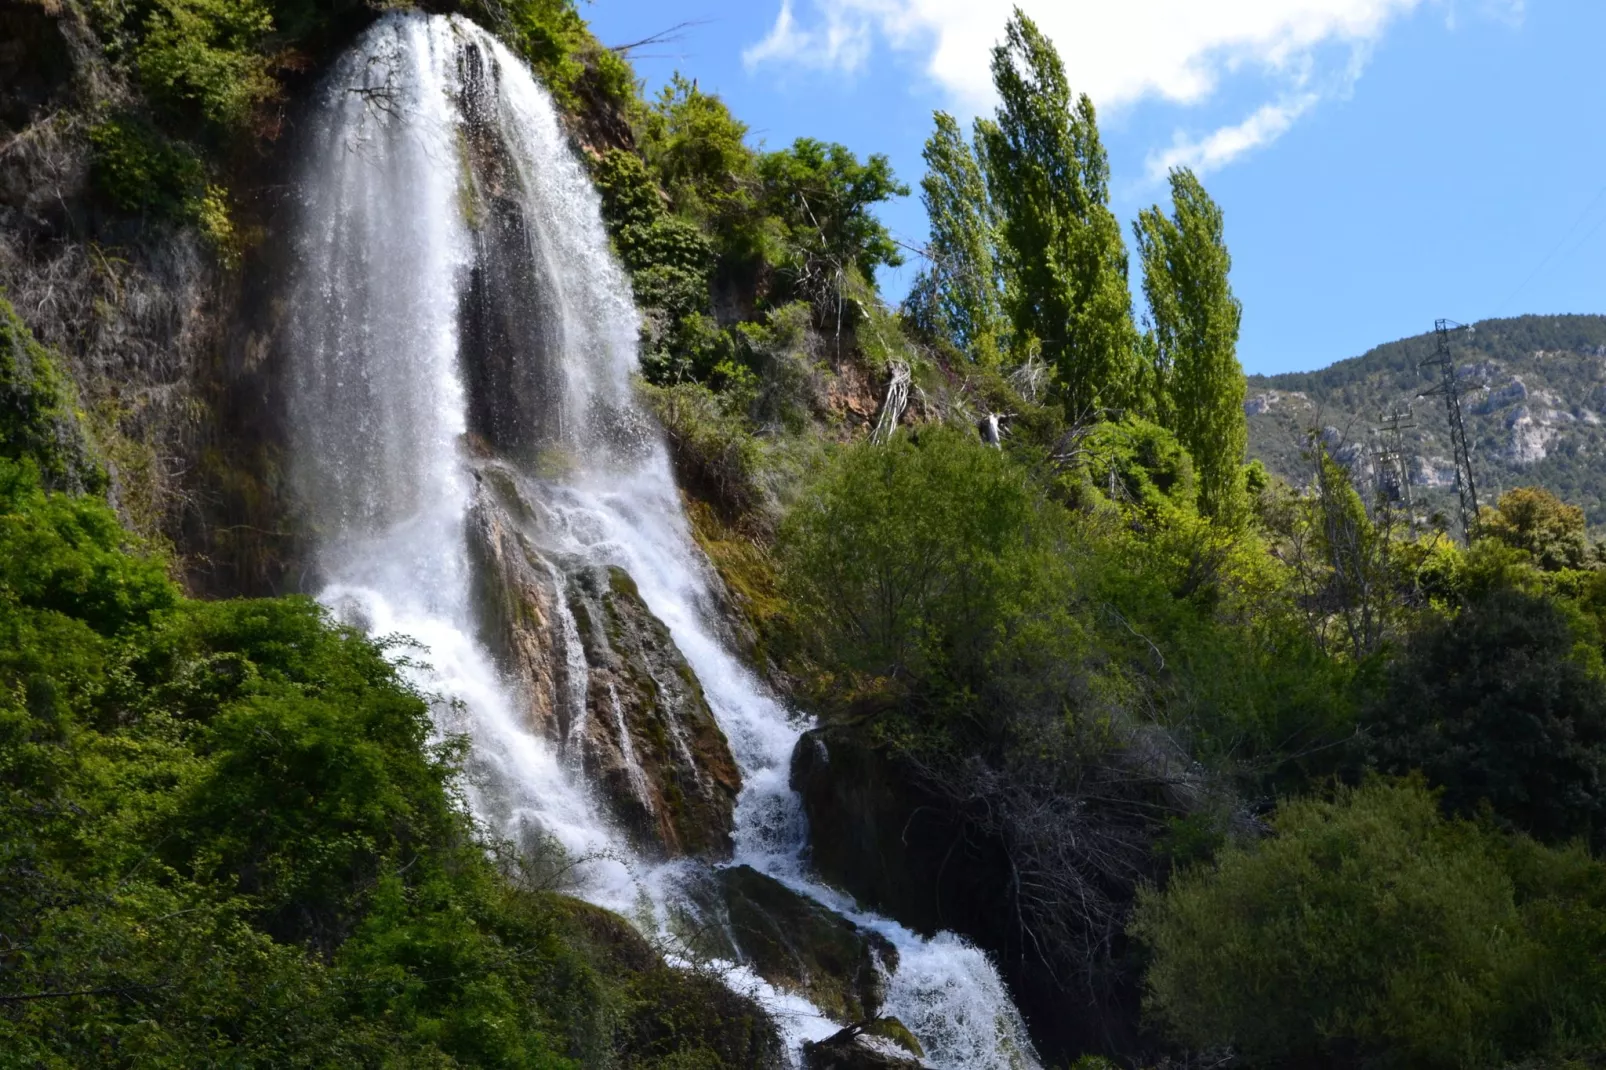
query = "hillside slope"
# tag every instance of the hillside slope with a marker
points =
(1534, 394)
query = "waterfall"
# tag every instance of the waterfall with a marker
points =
(461, 336)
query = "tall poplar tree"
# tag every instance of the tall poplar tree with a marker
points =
(959, 296)
(1196, 383)
(1061, 246)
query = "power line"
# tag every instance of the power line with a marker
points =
(1566, 236)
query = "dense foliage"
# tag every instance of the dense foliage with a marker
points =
(1371, 929)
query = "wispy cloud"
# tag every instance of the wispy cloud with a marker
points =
(1214, 151)
(1119, 52)
(840, 40)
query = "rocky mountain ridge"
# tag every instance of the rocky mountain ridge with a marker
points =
(1533, 392)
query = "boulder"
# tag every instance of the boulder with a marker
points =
(882, 834)
(848, 1049)
(799, 945)
(659, 1015)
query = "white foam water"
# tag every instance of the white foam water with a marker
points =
(379, 409)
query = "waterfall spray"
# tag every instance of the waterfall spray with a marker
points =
(459, 324)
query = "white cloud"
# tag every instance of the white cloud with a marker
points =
(1119, 52)
(1214, 151)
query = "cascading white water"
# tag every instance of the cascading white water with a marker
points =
(380, 410)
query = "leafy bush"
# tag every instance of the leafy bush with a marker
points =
(698, 151)
(1370, 930)
(931, 558)
(205, 56)
(716, 456)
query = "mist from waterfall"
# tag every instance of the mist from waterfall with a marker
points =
(393, 269)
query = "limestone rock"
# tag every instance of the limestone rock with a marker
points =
(518, 593)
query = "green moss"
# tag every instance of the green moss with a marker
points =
(38, 417)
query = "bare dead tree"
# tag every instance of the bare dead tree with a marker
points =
(673, 34)
(897, 400)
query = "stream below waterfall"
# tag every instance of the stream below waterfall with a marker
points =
(461, 345)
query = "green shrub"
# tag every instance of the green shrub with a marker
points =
(1371, 930)
(717, 459)
(931, 557)
(698, 151)
(138, 170)
(206, 57)
(1537, 522)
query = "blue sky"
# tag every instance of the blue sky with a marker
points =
(1381, 163)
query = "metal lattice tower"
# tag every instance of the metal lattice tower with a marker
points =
(1466, 490)
(1391, 465)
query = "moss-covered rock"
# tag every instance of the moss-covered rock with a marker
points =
(847, 1050)
(667, 1017)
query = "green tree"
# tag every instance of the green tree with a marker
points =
(1049, 180)
(1500, 705)
(1534, 520)
(699, 152)
(926, 561)
(1197, 383)
(960, 296)
(822, 196)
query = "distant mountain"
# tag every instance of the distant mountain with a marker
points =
(1533, 398)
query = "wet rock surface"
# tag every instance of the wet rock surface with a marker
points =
(649, 739)
(518, 594)
(801, 946)
(849, 1049)
(600, 676)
